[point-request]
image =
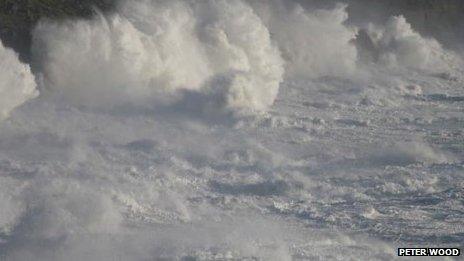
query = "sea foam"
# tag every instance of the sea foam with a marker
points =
(17, 83)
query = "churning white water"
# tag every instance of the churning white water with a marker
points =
(163, 46)
(17, 83)
(229, 130)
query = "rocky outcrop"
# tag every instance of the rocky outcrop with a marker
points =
(18, 17)
(442, 19)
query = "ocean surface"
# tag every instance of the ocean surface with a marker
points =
(230, 130)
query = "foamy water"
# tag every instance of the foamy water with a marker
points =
(229, 130)
(17, 84)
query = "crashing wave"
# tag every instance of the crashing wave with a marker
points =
(17, 83)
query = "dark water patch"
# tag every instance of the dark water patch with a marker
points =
(456, 239)
(352, 122)
(267, 188)
(144, 145)
(444, 98)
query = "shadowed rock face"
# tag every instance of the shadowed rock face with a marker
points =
(442, 19)
(18, 17)
(438, 18)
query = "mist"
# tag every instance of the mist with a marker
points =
(229, 130)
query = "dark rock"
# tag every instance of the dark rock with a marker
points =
(18, 18)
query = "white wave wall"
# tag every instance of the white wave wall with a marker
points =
(17, 83)
(314, 43)
(155, 47)
(398, 45)
(234, 54)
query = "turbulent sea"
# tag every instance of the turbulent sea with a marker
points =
(230, 130)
